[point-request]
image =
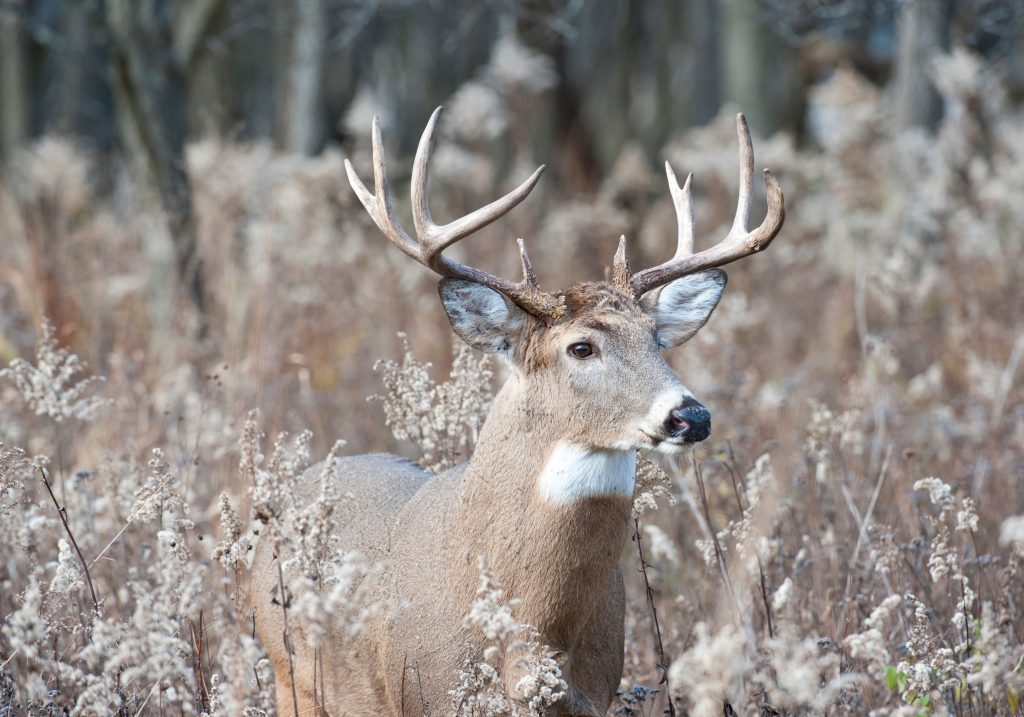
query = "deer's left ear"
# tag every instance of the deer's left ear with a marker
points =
(681, 308)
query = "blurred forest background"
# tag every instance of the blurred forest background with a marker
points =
(589, 88)
(149, 75)
(135, 81)
(174, 211)
(298, 73)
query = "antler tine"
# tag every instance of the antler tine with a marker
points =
(431, 239)
(738, 243)
(378, 205)
(425, 226)
(435, 239)
(622, 277)
(529, 276)
(683, 202)
(742, 218)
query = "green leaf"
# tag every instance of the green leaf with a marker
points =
(891, 676)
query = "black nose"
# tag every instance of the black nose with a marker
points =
(690, 421)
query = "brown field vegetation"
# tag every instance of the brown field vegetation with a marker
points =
(848, 542)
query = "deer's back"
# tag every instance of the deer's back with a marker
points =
(372, 490)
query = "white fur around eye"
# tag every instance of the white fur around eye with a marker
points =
(682, 307)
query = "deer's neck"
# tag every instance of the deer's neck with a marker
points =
(549, 514)
(573, 472)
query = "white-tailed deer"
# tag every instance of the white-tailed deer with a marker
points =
(546, 495)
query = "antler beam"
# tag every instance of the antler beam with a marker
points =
(432, 239)
(738, 243)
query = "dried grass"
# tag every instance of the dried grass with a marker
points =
(848, 543)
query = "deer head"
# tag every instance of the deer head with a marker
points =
(589, 356)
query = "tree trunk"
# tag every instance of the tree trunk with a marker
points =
(923, 31)
(304, 110)
(207, 74)
(702, 35)
(150, 91)
(575, 158)
(14, 107)
(759, 69)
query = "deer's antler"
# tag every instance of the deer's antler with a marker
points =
(432, 239)
(738, 243)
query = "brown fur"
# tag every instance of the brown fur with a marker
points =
(558, 559)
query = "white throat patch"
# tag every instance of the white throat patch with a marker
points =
(574, 472)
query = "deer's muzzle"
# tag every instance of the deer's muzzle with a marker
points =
(689, 421)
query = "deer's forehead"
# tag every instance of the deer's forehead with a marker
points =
(590, 296)
(598, 306)
(608, 323)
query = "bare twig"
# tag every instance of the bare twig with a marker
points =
(764, 599)
(698, 474)
(67, 529)
(401, 706)
(732, 468)
(862, 526)
(1006, 381)
(131, 519)
(982, 575)
(662, 662)
(151, 691)
(318, 708)
(197, 662)
(967, 633)
(287, 640)
(419, 685)
(860, 312)
(321, 701)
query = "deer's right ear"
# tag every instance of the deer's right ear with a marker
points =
(482, 317)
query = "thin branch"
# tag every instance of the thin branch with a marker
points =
(67, 529)
(662, 662)
(401, 706)
(698, 473)
(862, 526)
(419, 685)
(151, 691)
(1006, 382)
(967, 633)
(322, 702)
(764, 599)
(287, 641)
(198, 670)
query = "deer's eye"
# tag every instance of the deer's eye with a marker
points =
(581, 350)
